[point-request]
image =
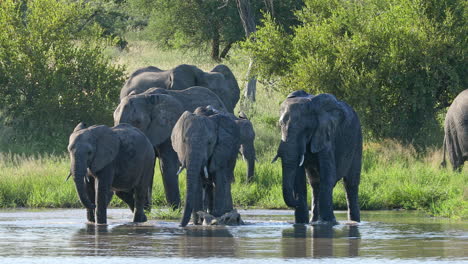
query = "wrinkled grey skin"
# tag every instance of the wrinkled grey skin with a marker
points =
(207, 147)
(155, 112)
(219, 80)
(327, 133)
(247, 137)
(116, 159)
(456, 132)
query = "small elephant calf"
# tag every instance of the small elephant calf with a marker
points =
(116, 159)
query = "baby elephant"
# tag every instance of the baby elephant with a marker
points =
(116, 159)
(207, 146)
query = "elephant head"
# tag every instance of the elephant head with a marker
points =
(91, 149)
(154, 112)
(308, 124)
(221, 81)
(204, 145)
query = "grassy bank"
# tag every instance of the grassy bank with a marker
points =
(393, 177)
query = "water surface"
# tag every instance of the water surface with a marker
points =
(58, 236)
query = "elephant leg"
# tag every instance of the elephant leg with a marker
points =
(140, 196)
(314, 181)
(220, 189)
(169, 163)
(127, 197)
(315, 202)
(352, 191)
(207, 190)
(301, 212)
(102, 185)
(351, 184)
(327, 182)
(89, 183)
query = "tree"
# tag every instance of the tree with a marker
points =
(53, 73)
(205, 23)
(248, 22)
(397, 62)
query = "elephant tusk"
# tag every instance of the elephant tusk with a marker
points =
(275, 158)
(302, 160)
(205, 170)
(243, 158)
(180, 170)
(69, 175)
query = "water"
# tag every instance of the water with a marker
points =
(58, 236)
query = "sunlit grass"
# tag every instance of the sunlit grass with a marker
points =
(394, 178)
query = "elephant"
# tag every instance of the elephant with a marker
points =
(207, 147)
(321, 137)
(219, 80)
(116, 159)
(155, 112)
(247, 137)
(456, 132)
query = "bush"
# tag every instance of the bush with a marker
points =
(398, 63)
(53, 73)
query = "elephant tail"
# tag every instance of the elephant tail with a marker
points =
(443, 164)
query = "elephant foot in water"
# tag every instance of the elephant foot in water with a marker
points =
(231, 218)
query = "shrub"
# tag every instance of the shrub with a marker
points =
(53, 73)
(398, 63)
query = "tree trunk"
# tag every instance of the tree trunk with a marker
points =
(215, 44)
(226, 50)
(248, 22)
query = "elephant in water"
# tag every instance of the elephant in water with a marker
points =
(219, 80)
(456, 132)
(207, 146)
(106, 159)
(247, 136)
(321, 137)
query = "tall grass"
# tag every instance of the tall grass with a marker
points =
(393, 175)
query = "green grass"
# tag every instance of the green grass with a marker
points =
(393, 176)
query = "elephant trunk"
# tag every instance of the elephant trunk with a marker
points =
(248, 151)
(193, 198)
(289, 164)
(79, 171)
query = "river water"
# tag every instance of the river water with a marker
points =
(62, 236)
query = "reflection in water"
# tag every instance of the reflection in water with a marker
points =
(320, 241)
(205, 242)
(390, 235)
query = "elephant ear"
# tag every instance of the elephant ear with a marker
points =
(80, 126)
(329, 114)
(227, 141)
(107, 145)
(165, 111)
(177, 135)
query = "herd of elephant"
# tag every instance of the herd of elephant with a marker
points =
(184, 117)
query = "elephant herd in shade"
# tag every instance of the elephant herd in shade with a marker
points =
(184, 117)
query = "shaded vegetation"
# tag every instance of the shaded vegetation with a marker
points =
(399, 63)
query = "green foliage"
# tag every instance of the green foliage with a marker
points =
(53, 73)
(398, 63)
(198, 24)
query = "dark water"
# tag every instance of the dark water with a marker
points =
(62, 236)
